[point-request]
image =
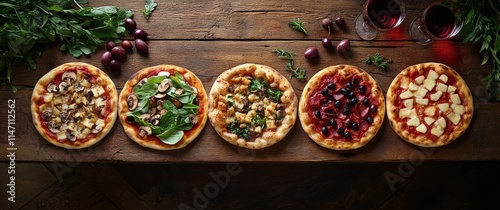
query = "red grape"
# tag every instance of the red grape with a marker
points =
(115, 65)
(106, 58)
(343, 46)
(141, 47)
(327, 43)
(140, 34)
(118, 52)
(126, 45)
(327, 24)
(110, 45)
(340, 22)
(311, 52)
(130, 24)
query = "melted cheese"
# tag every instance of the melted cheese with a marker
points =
(429, 111)
(421, 128)
(408, 103)
(429, 120)
(443, 107)
(422, 101)
(437, 131)
(455, 99)
(443, 78)
(454, 118)
(429, 84)
(436, 96)
(421, 92)
(406, 94)
(458, 109)
(414, 121)
(441, 87)
(419, 80)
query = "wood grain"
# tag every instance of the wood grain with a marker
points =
(209, 37)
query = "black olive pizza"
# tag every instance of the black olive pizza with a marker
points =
(429, 105)
(341, 107)
(163, 107)
(74, 105)
(252, 106)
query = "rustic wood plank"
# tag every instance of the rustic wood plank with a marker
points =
(78, 191)
(30, 180)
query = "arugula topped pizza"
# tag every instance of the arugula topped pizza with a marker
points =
(163, 107)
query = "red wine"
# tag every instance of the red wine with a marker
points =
(384, 14)
(439, 21)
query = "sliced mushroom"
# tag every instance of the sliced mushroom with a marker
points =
(52, 88)
(63, 87)
(160, 95)
(89, 95)
(69, 77)
(164, 73)
(152, 102)
(281, 113)
(47, 113)
(132, 101)
(155, 120)
(280, 106)
(70, 135)
(53, 127)
(143, 81)
(195, 91)
(65, 115)
(176, 102)
(164, 85)
(179, 91)
(97, 128)
(145, 117)
(163, 112)
(193, 119)
(79, 87)
(145, 131)
(159, 104)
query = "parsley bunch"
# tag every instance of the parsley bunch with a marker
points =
(378, 61)
(482, 26)
(29, 25)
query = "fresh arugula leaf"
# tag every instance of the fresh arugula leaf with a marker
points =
(274, 94)
(149, 8)
(147, 90)
(378, 61)
(297, 25)
(234, 127)
(283, 54)
(259, 120)
(299, 72)
(258, 84)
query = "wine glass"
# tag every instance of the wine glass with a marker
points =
(440, 21)
(379, 15)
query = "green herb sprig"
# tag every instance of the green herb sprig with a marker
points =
(378, 61)
(482, 26)
(27, 26)
(299, 72)
(297, 25)
(149, 8)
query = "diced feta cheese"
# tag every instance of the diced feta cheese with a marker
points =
(406, 94)
(419, 79)
(432, 75)
(443, 78)
(403, 113)
(459, 109)
(422, 101)
(421, 128)
(413, 86)
(451, 89)
(429, 111)
(414, 121)
(441, 87)
(455, 99)
(408, 103)
(441, 122)
(436, 96)
(454, 118)
(429, 120)
(421, 92)
(429, 84)
(437, 131)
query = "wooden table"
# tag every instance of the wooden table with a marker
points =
(209, 37)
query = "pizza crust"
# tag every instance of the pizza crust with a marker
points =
(152, 142)
(101, 79)
(393, 110)
(220, 89)
(308, 124)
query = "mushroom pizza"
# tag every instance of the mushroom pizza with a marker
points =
(74, 105)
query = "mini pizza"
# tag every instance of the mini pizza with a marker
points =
(163, 107)
(252, 106)
(429, 105)
(341, 107)
(74, 105)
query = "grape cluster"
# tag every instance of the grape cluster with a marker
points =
(117, 53)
